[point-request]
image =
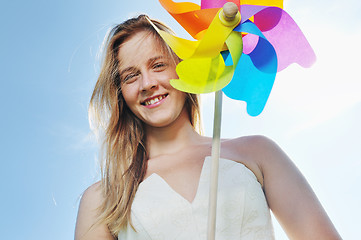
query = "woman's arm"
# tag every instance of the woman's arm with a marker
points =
(87, 216)
(290, 197)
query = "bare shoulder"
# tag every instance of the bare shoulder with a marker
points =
(257, 145)
(92, 195)
(288, 194)
(256, 152)
(88, 213)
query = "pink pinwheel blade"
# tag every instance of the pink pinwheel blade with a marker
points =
(216, 3)
(286, 37)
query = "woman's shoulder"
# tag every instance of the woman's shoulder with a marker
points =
(254, 151)
(251, 141)
(92, 194)
(91, 199)
(88, 214)
(254, 147)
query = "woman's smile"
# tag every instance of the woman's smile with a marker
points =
(155, 101)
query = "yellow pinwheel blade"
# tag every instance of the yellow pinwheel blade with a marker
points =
(205, 75)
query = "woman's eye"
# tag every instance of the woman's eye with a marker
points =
(159, 66)
(130, 77)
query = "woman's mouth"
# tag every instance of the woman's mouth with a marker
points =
(154, 100)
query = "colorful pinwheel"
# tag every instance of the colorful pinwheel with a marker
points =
(271, 42)
(239, 56)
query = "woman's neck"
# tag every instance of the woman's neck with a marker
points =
(172, 138)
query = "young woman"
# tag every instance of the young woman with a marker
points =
(155, 174)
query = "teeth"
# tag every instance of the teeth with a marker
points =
(154, 100)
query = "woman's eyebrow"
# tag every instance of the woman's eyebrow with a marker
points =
(128, 69)
(153, 59)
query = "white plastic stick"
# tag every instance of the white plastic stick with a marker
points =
(216, 147)
(230, 11)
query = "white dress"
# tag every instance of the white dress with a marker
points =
(160, 213)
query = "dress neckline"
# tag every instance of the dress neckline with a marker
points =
(160, 179)
(205, 173)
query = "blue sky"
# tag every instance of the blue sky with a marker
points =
(49, 63)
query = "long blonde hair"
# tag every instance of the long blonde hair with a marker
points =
(124, 156)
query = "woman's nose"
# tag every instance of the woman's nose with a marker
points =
(148, 82)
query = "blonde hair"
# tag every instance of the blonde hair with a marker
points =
(124, 156)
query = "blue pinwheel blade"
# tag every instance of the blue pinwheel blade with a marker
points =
(255, 73)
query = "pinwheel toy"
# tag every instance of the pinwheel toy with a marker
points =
(239, 47)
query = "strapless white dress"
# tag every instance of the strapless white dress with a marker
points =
(160, 213)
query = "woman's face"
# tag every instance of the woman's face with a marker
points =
(145, 72)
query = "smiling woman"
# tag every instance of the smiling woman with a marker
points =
(145, 81)
(123, 87)
(155, 170)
